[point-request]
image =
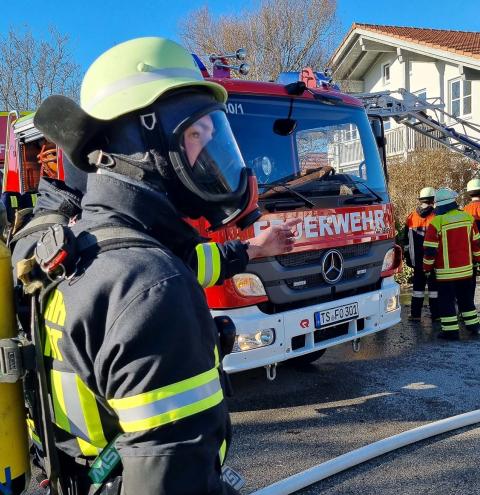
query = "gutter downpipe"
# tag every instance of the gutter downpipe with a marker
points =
(341, 463)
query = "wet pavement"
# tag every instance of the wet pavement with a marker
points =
(401, 378)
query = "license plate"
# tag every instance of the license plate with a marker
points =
(331, 316)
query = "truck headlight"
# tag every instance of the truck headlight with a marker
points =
(392, 303)
(248, 284)
(254, 340)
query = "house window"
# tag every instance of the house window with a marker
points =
(386, 73)
(460, 97)
(351, 132)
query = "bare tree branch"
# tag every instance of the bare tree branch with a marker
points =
(279, 35)
(32, 69)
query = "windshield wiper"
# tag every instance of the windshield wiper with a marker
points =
(271, 191)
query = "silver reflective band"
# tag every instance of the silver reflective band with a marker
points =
(207, 250)
(73, 407)
(170, 403)
(138, 79)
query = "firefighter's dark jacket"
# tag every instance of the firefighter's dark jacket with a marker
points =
(54, 196)
(132, 351)
(414, 234)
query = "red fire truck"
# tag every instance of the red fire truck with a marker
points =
(317, 157)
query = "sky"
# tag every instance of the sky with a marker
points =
(96, 25)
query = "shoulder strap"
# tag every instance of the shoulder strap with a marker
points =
(40, 223)
(111, 237)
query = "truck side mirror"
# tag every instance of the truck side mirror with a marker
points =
(376, 124)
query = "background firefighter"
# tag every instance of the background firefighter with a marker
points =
(413, 237)
(451, 248)
(473, 190)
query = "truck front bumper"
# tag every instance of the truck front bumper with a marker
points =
(295, 332)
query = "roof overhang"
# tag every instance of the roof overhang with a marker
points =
(361, 47)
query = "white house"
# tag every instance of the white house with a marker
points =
(441, 65)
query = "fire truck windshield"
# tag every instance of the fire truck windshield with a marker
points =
(328, 152)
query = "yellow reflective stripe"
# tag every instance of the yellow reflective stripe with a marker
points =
(217, 357)
(55, 309)
(430, 244)
(33, 434)
(59, 408)
(466, 314)
(476, 236)
(455, 270)
(446, 319)
(222, 452)
(428, 262)
(447, 328)
(200, 264)
(163, 392)
(175, 415)
(87, 449)
(215, 264)
(476, 253)
(91, 414)
(76, 411)
(13, 201)
(171, 403)
(446, 261)
(34, 199)
(449, 275)
(208, 264)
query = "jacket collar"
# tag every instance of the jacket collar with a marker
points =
(441, 210)
(55, 195)
(112, 198)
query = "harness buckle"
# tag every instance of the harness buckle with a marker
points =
(16, 358)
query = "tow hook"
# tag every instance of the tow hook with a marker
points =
(356, 345)
(271, 370)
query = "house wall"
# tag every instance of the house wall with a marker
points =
(415, 76)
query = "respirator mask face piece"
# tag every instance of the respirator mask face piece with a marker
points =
(206, 157)
(208, 177)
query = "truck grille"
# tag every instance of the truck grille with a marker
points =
(314, 257)
(316, 280)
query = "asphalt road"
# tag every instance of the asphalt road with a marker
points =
(401, 378)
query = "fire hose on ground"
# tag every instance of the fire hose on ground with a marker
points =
(363, 454)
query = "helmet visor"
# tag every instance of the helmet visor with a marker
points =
(211, 162)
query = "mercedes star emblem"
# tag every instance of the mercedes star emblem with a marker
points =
(332, 266)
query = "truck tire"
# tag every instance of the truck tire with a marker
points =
(307, 358)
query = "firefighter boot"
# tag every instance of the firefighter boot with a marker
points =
(434, 310)
(416, 308)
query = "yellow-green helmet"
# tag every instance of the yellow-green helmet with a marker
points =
(473, 185)
(133, 74)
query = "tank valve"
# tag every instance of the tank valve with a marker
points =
(356, 345)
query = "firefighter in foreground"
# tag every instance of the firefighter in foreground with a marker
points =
(414, 234)
(451, 248)
(131, 349)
